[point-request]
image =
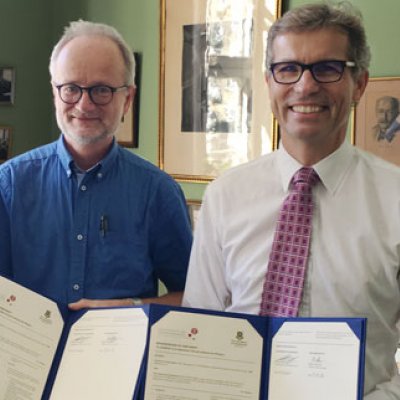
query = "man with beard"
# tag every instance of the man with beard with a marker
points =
(82, 220)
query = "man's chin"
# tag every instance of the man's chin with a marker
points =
(86, 138)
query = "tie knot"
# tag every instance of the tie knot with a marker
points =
(306, 176)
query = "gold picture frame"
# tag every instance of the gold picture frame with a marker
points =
(376, 119)
(214, 106)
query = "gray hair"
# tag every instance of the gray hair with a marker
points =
(394, 102)
(342, 16)
(86, 28)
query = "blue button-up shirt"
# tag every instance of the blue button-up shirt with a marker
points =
(112, 234)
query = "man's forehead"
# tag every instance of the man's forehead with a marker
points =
(91, 58)
(385, 102)
(85, 46)
(325, 43)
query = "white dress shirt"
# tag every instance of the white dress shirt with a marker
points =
(354, 256)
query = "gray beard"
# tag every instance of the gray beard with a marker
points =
(87, 140)
(84, 140)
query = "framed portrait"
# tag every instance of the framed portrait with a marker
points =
(377, 119)
(5, 143)
(214, 106)
(128, 131)
(7, 86)
(194, 210)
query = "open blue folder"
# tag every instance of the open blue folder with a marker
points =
(203, 354)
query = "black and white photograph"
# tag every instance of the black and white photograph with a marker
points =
(377, 119)
(7, 85)
(387, 126)
(5, 143)
(214, 107)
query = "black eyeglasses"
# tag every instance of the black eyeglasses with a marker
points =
(326, 71)
(100, 94)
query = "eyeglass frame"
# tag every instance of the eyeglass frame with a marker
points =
(89, 90)
(309, 67)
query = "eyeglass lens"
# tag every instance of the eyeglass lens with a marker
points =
(98, 94)
(324, 71)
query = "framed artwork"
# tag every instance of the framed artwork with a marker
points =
(5, 143)
(194, 210)
(7, 86)
(128, 131)
(377, 119)
(214, 105)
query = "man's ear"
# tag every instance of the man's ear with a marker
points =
(129, 98)
(266, 77)
(360, 85)
(55, 93)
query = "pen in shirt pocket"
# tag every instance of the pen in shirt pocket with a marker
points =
(103, 225)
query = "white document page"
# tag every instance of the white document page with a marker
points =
(203, 357)
(30, 328)
(102, 356)
(314, 361)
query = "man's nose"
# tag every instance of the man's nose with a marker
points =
(307, 83)
(85, 102)
(387, 116)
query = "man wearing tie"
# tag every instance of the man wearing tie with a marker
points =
(312, 229)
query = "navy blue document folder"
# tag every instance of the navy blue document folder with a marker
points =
(204, 354)
(158, 352)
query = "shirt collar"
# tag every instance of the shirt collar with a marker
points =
(333, 168)
(287, 167)
(64, 156)
(330, 170)
(67, 161)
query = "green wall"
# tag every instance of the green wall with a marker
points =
(25, 33)
(29, 29)
(381, 23)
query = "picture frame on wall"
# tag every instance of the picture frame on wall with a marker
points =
(127, 134)
(377, 119)
(7, 86)
(5, 143)
(214, 105)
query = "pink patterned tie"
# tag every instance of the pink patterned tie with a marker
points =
(284, 280)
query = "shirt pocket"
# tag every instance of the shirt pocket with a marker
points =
(120, 262)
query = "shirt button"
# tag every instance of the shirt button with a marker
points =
(83, 188)
(79, 237)
(99, 175)
(76, 287)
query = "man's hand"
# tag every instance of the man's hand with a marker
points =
(171, 299)
(86, 303)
